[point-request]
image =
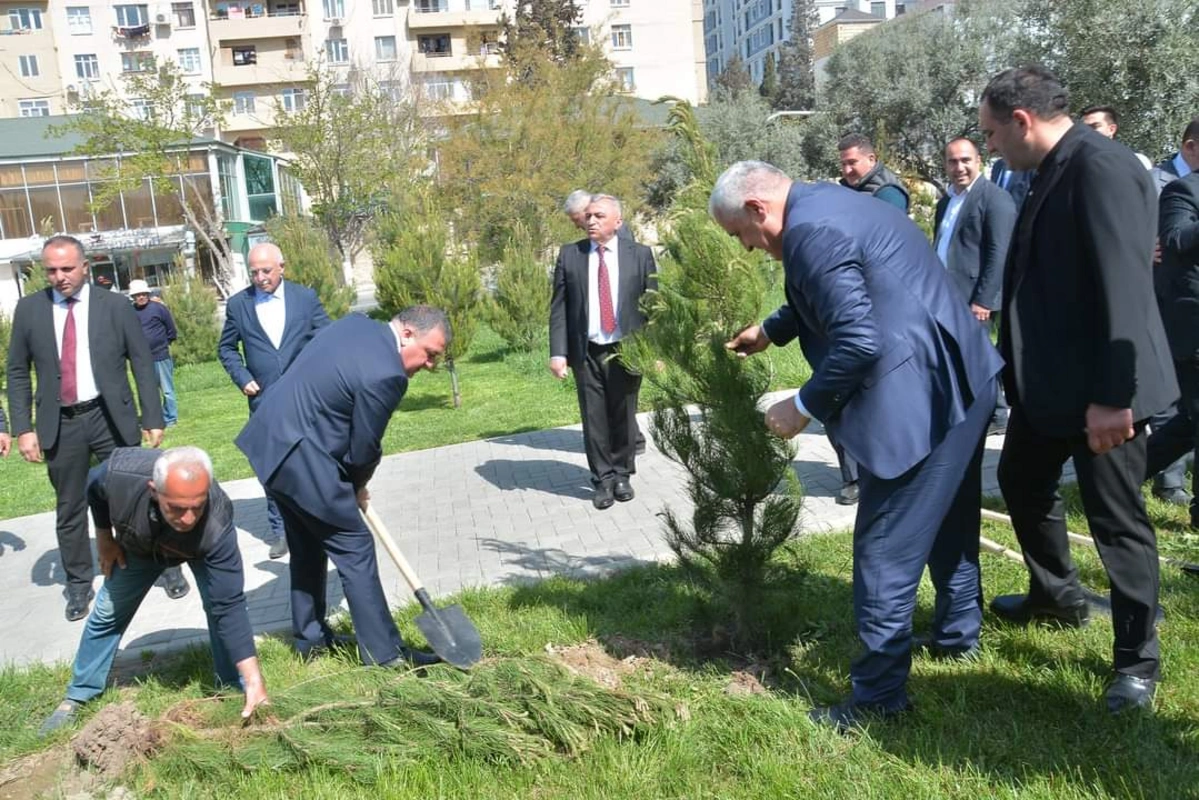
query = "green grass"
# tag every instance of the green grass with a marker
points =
(503, 392)
(1024, 721)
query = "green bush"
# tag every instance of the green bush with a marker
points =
(519, 308)
(193, 304)
(310, 261)
(5, 338)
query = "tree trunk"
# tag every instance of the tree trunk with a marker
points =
(457, 392)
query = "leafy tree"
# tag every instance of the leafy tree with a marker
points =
(311, 262)
(508, 164)
(797, 71)
(769, 87)
(734, 79)
(153, 145)
(5, 339)
(415, 262)
(193, 304)
(540, 30)
(520, 304)
(352, 140)
(745, 495)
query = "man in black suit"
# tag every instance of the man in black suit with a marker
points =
(272, 319)
(1182, 163)
(598, 284)
(1176, 282)
(973, 225)
(79, 342)
(315, 441)
(1082, 376)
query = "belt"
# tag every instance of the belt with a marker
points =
(80, 408)
(596, 347)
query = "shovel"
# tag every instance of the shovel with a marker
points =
(451, 635)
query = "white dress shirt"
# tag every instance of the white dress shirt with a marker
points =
(1181, 166)
(950, 220)
(85, 379)
(271, 308)
(594, 331)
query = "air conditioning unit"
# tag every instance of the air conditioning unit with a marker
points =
(334, 22)
(162, 18)
(72, 88)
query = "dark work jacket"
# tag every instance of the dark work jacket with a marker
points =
(159, 327)
(118, 493)
(878, 178)
(1177, 277)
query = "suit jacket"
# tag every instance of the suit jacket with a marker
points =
(1164, 174)
(1176, 279)
(897, 358)
(317, 434)
(1017, 183)
(1080, 324)
(114, 336)
(258, 359)
(979, 242)
(569, 303)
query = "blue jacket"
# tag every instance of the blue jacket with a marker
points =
(318, 434)
(258, 360)
(897, 358)
(159, 328)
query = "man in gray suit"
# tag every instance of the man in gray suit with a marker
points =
(974, 224)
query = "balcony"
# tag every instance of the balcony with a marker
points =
(435, 16)
(449, 62)
(264, 26)
(266, 71)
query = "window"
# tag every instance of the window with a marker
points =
(384, 8)
(385, 48)
(338, 51)
(137, 61)
(900, 8)
(756, 13)
(622, 37)
(434, 45)
(79, 20)
(189, 60)
(87, 67)
(28, 66)
(132, 16)
(140, 109)
(185, 15)
(878, 9)
(25, 19)
(293, 99)
(334, 9)
(625, 76)
(196, 105)
(439, 88)
(243, 102)
(619, 3)
(584, 34)
(244, 55)
(759, 40)
(431, 6)
(34, 108)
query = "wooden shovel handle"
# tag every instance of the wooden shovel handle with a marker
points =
(375, 523)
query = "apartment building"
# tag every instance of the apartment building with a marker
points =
(754, 29)
(30, 81)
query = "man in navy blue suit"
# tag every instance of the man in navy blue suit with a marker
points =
(272, 320)
(315, 441)
(904, 378)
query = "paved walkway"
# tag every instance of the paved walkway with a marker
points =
(478, 514)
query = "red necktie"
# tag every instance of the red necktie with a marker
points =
(69, 389)
(607, 315)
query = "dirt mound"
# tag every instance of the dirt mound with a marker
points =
(590, 659)
(114, 737)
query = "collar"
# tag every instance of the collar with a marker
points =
(609, 245)
(954, 192)
(265, 297)
(80, 296)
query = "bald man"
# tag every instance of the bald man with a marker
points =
(272, 320)
(153, 510)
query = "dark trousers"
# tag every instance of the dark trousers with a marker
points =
(1030, 471)
(845, 462)
(80, 436)
(607, 395)
(1171, 474)
(927, 516)
(1180, 435)
(313, 543)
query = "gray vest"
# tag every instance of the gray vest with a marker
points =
(876, 179)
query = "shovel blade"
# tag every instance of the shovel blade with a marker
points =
(451, 635)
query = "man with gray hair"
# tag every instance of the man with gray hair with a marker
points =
(575, 207)
(156, 509)
(904, 377)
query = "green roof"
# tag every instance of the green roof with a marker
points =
(32, 137)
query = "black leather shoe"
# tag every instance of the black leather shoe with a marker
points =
(1175, 497)
(339, 642)
(412, 659)
(174, 582)
(846, 716)
(1016, 608)
(848, 495)
(603, 496)
(1130, 692)
(278, 548)
(78, 600)
(924, 643)
(622, 490)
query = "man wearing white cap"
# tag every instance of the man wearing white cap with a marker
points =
(159, 327)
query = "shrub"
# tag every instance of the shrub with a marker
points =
(193, 304)
(310, 261)
(519, 307)
(5, 338)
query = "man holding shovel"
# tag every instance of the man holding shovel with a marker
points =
(315, 441)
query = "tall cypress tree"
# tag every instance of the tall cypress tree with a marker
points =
(770, 80)
(797, 70)
(734, 78)
(540, 29)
